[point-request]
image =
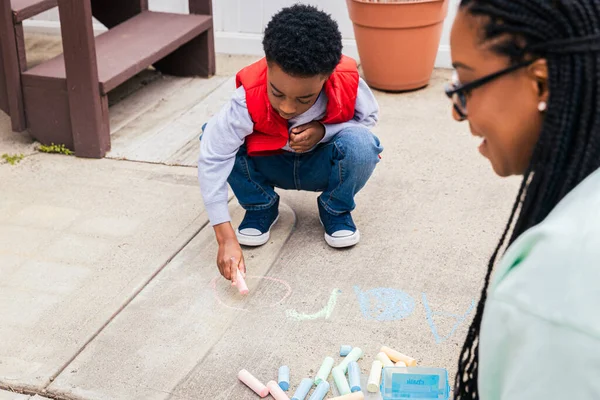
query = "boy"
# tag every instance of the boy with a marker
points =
(299, 119)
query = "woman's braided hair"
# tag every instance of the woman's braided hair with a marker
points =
(566, 33)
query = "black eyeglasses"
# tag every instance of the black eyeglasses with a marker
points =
(458, 92)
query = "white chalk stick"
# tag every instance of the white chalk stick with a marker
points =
(276, 391)
(257, 386)
(351, 396)
(397, 356)
(241, 283)
(374, 377)
(384, 359)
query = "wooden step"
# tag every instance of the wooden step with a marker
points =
(131, 47)
(23, 9)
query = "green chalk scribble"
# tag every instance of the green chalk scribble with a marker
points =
(324, 313)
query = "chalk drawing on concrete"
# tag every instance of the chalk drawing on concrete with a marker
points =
(286, 286)
(325, 312)
(384, 304)
(459, 319)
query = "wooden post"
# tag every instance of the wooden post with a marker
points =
(197, 57)
(12, 71)
(113, 12)
(91, 134)
(20, 41)
(3, 93)
(202, 7)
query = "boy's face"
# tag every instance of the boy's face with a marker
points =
(291, 96)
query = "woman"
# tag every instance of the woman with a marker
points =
(528, 83)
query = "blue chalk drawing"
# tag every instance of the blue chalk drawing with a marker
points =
(459, 319)
(385, 304)
(324, 313)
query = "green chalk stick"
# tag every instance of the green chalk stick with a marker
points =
(340, 381)
(355, 355)
(324, 371)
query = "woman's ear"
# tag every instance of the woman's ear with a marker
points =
(538, 72)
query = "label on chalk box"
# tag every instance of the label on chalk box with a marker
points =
(415, 386)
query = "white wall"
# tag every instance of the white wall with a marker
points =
(239, 23)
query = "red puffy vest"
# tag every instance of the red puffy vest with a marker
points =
(271, 129)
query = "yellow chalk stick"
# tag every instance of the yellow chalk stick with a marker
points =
(374, 377)
(384, 359)
(397, 356)
(400, 364)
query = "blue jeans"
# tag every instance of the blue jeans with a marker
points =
(339, 169)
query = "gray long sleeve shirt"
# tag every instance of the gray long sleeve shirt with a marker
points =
(226, 131)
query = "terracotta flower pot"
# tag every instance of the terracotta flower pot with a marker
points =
(398, 40)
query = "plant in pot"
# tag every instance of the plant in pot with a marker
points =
(397, 40)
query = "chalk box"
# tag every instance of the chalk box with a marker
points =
(400, 383)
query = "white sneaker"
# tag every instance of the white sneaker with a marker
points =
(253, 237)
(340, 230)
(255, 229)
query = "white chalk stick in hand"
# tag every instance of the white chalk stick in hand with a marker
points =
(241, 283)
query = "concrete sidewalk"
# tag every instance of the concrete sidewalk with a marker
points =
(109, 287)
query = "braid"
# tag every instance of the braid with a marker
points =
(469, 356)
(566, 33)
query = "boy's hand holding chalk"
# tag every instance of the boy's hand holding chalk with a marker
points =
(230, 258)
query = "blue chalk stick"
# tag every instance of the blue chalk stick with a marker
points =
(345, 350)
(321, 391)
(354, 376)
(284, 377)
(303, 389)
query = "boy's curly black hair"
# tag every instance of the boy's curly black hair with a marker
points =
(303, 41)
